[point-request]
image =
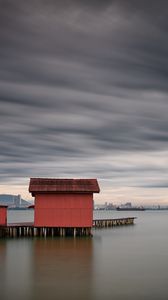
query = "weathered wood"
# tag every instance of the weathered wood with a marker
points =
(103, 223)
(29, 230)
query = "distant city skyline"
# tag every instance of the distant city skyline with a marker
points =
(84, 94)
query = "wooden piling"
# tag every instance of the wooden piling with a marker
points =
(105, 223)
(29, 230)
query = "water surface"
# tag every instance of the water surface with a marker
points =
(129, 262)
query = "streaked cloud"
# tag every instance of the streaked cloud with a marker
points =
(83, 93)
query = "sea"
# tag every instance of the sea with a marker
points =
(120, 263)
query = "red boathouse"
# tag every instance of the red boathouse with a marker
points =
(3, 215)
(63, 203)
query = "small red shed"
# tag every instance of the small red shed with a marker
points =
(63, 202)
(3, 215)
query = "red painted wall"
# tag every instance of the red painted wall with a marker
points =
(3, 216)
(63, 210)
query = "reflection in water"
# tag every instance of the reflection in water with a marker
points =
(16, 269)
(2, 260)
(45, 268)
(62, 268)
(121, 263)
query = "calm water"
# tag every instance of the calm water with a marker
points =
(118, 263)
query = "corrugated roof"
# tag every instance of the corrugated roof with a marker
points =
(48, 185)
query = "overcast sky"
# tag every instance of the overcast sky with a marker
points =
(84, 94)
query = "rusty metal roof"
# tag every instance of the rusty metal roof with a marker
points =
(48, 185)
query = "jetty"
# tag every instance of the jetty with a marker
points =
(14, 230)
(104, 223)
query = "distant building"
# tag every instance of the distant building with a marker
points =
(17, 201)
(128, 204)
(105, 206)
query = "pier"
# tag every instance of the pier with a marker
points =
(14, 230)
(104, 223)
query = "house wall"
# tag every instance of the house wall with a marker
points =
(3, 216)
(63, 210)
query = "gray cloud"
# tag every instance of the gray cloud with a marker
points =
(81, 81)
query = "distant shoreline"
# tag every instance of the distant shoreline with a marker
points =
(18, 208)
(102, 209)
(158, 209)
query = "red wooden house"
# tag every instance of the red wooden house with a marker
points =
(63, 202)
(3, 215)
